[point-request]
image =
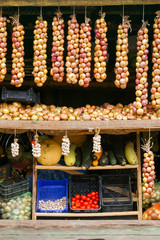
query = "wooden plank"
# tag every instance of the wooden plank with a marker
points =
(64, 168)
(99, 214)
(139, 179)
(34, 190)
(73, 126)
(76, 3)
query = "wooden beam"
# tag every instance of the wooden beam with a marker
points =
(7, 3)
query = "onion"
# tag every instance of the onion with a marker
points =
(72, 74)
(40, 55)
(122, 54)
(155, 96)
(85, 54)
(18, 73)
(100, 54)
(3, 48)
(57, 48)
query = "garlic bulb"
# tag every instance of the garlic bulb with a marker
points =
(97, 143)
(36, 147)
(15, 148)
(65, 146)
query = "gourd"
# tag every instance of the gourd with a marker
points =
(130, 153)
(78, 152)
(118, 149)
(70, 159)
(87, 154)
(50, 152)
(96, 156)
(104, 160)
(112, 159)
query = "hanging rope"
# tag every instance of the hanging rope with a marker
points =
(18, 14)
(1, 12)
(101, 9)
(143, 14)
(123, 15)
(41, 11)
(74, 10)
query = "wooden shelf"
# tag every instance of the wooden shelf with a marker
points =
(111, 126)
(57, 167)
(99, 214)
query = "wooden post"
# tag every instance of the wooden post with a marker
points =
(139, 181)
(34, 190)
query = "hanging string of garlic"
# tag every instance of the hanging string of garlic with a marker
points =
(97, 141)
(15, 147)
(65, 145)
(36, 147)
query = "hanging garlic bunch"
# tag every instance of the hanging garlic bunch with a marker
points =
(15, 148)
(97, 141)
(65, 145)
(36, 147)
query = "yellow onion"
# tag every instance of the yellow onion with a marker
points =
(57, 70)
(40, 52)
(100, 51)
(121, 65)
(3, 47)
(140, 105)
(85, 54)
(72, 59)
(148, 174)
(155, 90)
(18, 73)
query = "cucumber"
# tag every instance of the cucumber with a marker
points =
(78, 157)
(103, 161)
(87, 154)
(118, 149)
(112, 159)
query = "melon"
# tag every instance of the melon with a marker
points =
(50, 152)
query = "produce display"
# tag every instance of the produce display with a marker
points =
(18, 73)
(85, 54)
(148, 171)
(40, 53)
(155, 90)
(100, 54)
(57, 70)
(89, 201)
(121, 65)
(17, 208)
(3, 47)
(155, 197)
(152, 213)
(140, 105)
(72, 59)
(16, 111)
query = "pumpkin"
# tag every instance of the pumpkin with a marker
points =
(50, 152)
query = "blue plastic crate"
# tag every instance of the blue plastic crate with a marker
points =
(52, 190)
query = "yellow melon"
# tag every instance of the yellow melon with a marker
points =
(50, 152)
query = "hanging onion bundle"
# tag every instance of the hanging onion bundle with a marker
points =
(72, 59)
(100, 54)
(18, 73)
(121, 65)
(40, 55)
(140, 105)
(148, 171)
(3, 47)
(85, 54)
(155, 90)
(57, 70)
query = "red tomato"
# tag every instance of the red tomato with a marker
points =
(81, 201)
(73, 203)
(97, 206)
(77, 196)
(83, 207)
(74, 207)
(77, 201)
(78, 205)
(73, 199)
(93, 198)
(97, 193)
(88, 195)
(89, 207)
(85, 203)
(92, 205)
(90, 201)
(93, 193)
(83, 197)
(95, 202)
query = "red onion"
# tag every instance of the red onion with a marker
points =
(100, 54)
(3, 48)
(57, 48)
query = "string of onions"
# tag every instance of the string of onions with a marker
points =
(121, 65)
(85, 54)
(140, 105)
(100, 54)
(3, 47)
(18, 73)
(57, 70)
(72, 59)
(40, 55)
(155, 90)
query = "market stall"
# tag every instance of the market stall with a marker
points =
(80, 99)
